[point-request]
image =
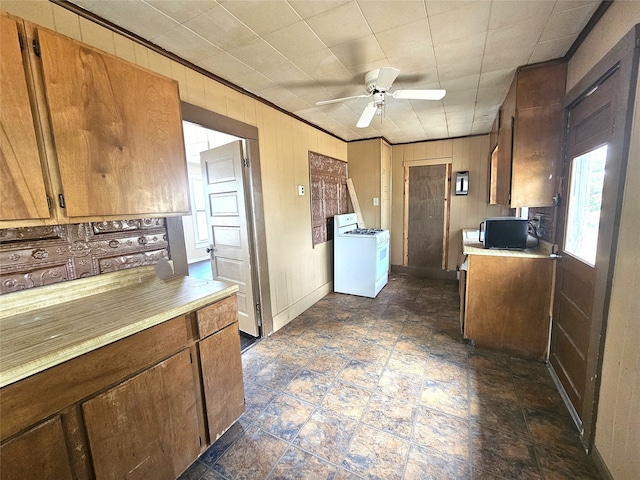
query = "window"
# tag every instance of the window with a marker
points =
(199, 210)
(585, 200)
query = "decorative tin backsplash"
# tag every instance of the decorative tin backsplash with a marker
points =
(328, 180)
(37, 256)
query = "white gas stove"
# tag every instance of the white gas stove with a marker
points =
(360, 257)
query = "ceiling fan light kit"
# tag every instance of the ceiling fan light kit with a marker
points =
(378, 82)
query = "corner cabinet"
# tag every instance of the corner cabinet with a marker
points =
(523, 174)
(109, 133)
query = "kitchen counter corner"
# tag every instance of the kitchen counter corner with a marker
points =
(51, 332)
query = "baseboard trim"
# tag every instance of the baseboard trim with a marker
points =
(291, 312)
(428, 272)
(600, 465)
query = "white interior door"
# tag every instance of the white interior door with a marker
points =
(222, 176)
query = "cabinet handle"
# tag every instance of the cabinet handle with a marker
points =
(61, 200)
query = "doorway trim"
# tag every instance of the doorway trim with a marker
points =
(260, 267)
(421, 271)
(624, 56)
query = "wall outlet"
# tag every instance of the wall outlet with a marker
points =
(300, 190)
(376, 201)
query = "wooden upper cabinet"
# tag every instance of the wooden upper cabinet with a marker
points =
(501, 185)
(23, 194)
(117, 130)
(529, 138)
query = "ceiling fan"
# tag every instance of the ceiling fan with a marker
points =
(378, 82)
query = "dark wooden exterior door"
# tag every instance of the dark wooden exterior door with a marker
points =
(426, 190)
(577, 328)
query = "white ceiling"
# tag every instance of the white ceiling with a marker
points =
(294, 53)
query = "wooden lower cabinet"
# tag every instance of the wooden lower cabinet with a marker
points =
(38, 454)
(146, 427)
(142, 408)
(507, 303)
(222, 379)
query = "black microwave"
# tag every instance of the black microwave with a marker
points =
(505, 232)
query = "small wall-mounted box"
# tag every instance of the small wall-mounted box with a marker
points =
(462, 183)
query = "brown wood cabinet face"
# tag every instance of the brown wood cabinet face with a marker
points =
(146, 427)
(529, 138)
(38, 454)
(23, 194)
(217, 316)
(117, 131)
(507, 304)
(536, 156)
(222, 379)
(38, 396)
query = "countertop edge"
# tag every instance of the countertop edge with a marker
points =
(72, 351)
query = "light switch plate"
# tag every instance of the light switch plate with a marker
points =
(376, 201)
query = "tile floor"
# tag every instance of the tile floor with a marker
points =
(385, 388)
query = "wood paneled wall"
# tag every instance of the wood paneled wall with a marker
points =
(467, 211)
(365, 171)
(299, 274)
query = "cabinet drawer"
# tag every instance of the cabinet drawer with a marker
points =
(52, 390)
(217, 316)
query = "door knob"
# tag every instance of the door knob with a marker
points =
(209, 249)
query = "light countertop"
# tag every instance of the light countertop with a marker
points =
(472, 246)
(43, 327)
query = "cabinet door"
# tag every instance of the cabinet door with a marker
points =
(38, 454)
(147, 427)
(22, 188)
(535, 155)
(222, 379)
(501, 184)
(117, 130)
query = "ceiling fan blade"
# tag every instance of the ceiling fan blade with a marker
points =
(386, 76)
(419, 94)
(367, 115)
(338, 100)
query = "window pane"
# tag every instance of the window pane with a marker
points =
(585, 199)
(198, 194)
(201, 226)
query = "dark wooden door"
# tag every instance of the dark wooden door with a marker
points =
(426, 218)
(576, 328)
